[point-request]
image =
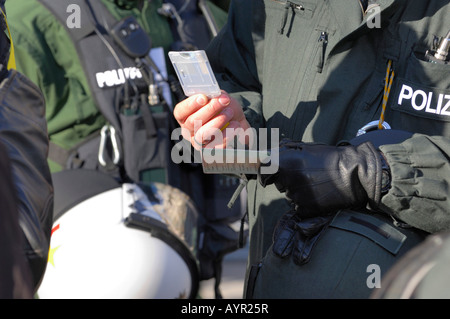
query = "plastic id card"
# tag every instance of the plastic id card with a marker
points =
(194, 73)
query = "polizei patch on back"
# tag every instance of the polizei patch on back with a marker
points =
(115, 77)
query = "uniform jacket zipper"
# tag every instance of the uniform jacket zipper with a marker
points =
(288, 5)
(323, 42)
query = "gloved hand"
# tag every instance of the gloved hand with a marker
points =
(321, 179)
(297, 237)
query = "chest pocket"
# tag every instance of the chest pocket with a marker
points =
(293, 63)
(420, 99)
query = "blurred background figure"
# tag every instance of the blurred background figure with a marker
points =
(15, 276)
(26, 189)
(421, 274)
(109, 88)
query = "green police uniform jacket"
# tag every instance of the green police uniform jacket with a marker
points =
(315, 70)
(46, 54)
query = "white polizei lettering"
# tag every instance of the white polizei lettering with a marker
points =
(127, 72)
(121, 76)
(109, 77)
(428, 109)
(402, 95)
(135, 73)
(414, 100)
(100, 79)
(423, 101)
(447, 106)
(116, 77)
(440, 108)
(439, 104)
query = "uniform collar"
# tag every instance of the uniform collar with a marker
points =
(349, 13)
(353, 22)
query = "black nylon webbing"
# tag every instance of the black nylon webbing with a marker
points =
(61, 9)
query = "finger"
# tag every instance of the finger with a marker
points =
(212, 138)
(212, 130)
(239, 133)
(233, 134)
(229, 133)
(189, 106)
(226, 140)
(208, 112)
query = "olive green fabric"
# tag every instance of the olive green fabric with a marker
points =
(426, 266)
(348, 276)
(45, 53)
(272, 58)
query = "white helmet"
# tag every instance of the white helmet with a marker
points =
(120, 240)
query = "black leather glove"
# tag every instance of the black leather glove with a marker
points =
(321, 179)
(297, 237)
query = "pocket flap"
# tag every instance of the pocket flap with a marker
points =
(370, 227)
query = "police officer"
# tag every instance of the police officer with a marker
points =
(68, 50)
(26, 187)
(47, 54)
(338, 206)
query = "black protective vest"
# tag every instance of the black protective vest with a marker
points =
(137, 139)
